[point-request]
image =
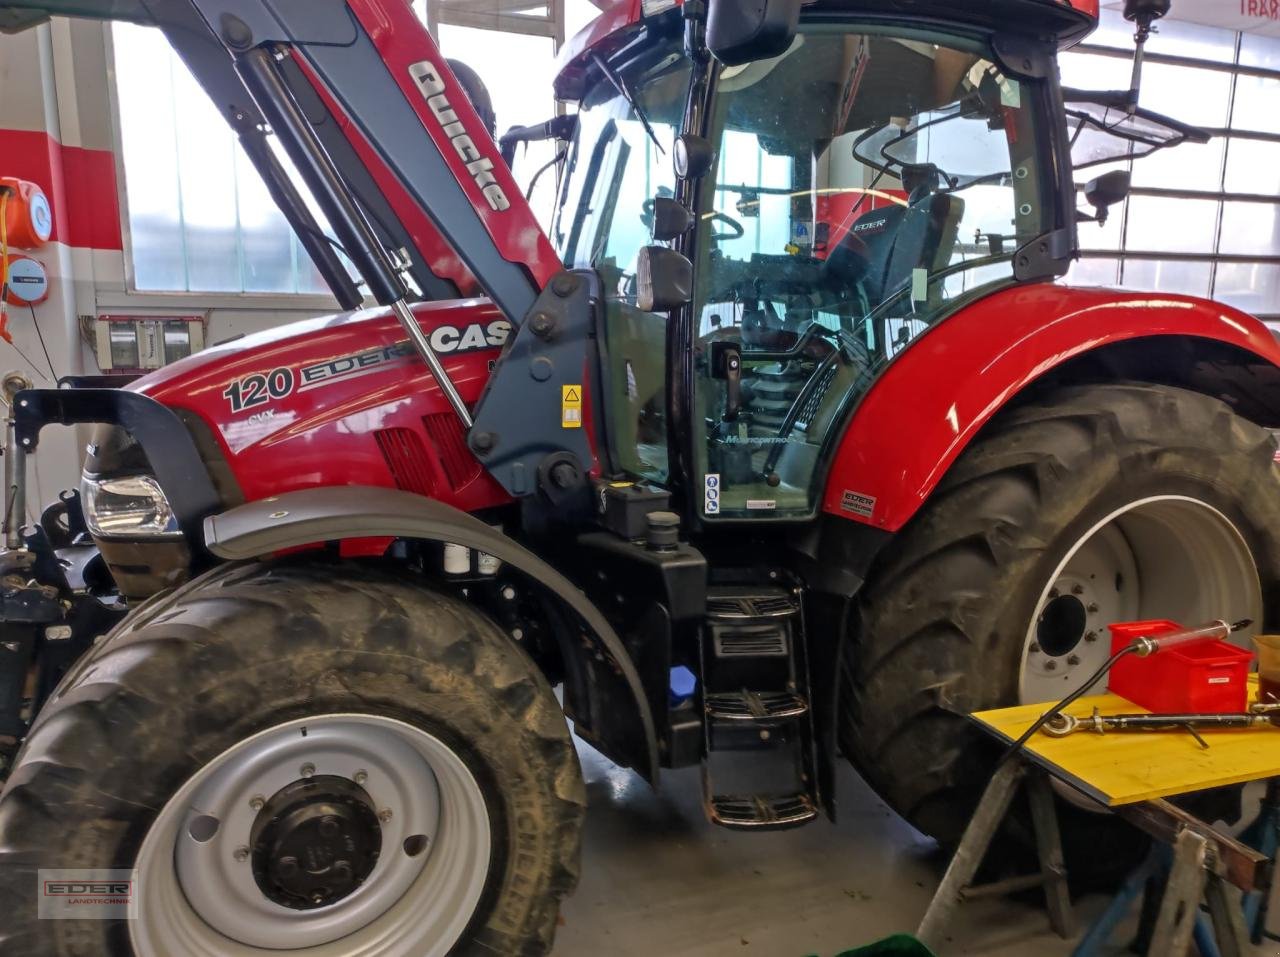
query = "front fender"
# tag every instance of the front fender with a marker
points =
(311, 516)
(931, 401)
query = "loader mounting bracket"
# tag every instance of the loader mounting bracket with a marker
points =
(532, 407)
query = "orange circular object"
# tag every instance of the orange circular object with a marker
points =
(30, 218)
(28, 281)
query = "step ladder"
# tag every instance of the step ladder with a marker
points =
(758, 769)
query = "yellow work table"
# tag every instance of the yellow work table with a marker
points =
(1131, 772)
(1124, 767)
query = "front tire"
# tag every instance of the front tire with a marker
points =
(265, 713)
(1092, 505)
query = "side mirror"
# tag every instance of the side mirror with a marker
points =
(1107, 190)
(739, 31)
(664, 280)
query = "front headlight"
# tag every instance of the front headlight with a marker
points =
(132, 506)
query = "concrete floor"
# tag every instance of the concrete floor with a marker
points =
(658, 879)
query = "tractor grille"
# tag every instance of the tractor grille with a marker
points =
(406, 457)
(445, 430)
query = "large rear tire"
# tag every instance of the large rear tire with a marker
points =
(1095, 504)
(324, 759)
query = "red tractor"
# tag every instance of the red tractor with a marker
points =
(785, 444)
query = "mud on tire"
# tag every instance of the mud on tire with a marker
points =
(245, 648)
(945, 615)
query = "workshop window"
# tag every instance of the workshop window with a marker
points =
(200, 218)
(1202, 219)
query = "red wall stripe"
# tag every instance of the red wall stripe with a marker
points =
(80, 184)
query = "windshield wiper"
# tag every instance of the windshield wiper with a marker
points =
(624, 91)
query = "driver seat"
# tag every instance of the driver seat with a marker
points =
(926, 238)
(884, 246)
(862, 255)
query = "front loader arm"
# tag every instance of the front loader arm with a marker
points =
(410, 123)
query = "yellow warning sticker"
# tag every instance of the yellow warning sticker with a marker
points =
(571, 407)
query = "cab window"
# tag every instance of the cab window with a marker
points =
(865, 182)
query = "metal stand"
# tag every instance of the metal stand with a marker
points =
(1201, 864)
(1195, 864)
(956, 886)
(1264, 836)
(1146, 879)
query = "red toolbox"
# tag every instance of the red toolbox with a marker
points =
(1206, 677)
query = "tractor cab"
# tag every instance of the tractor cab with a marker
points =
(770, 232)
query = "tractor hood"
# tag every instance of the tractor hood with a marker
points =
(322, 339)
(342, 400)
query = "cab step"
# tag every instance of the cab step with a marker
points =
(759, 759)
(753, 811)
(755, 705)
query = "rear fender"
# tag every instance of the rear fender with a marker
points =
(931, 401)
(312, 516)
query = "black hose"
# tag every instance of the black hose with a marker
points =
(1065, 703)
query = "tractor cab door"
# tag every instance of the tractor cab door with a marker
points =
(866, 181)
(615, 168)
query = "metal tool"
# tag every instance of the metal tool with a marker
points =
(1219, 630)
(1061, 725)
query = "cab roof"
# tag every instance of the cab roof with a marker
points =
(619, 21)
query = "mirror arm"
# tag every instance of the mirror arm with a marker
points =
(1142, 13)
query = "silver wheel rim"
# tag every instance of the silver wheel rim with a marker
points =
(1168, 557)
(197, 895)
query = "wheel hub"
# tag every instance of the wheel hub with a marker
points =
(1067, 631)
(1062, 625)
(386, 800)
(314, 842)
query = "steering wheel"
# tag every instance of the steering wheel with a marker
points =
(738, 229)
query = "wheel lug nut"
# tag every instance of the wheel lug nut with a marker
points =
(1090, 636)
(1053, 593)
(1050, 666)
(308, 770)
(1093, 607)
(1073, 660)
(1077, 589)
(256, 802)
(361, 777)
(384, 815)
(1035, 648)
(241, 853)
